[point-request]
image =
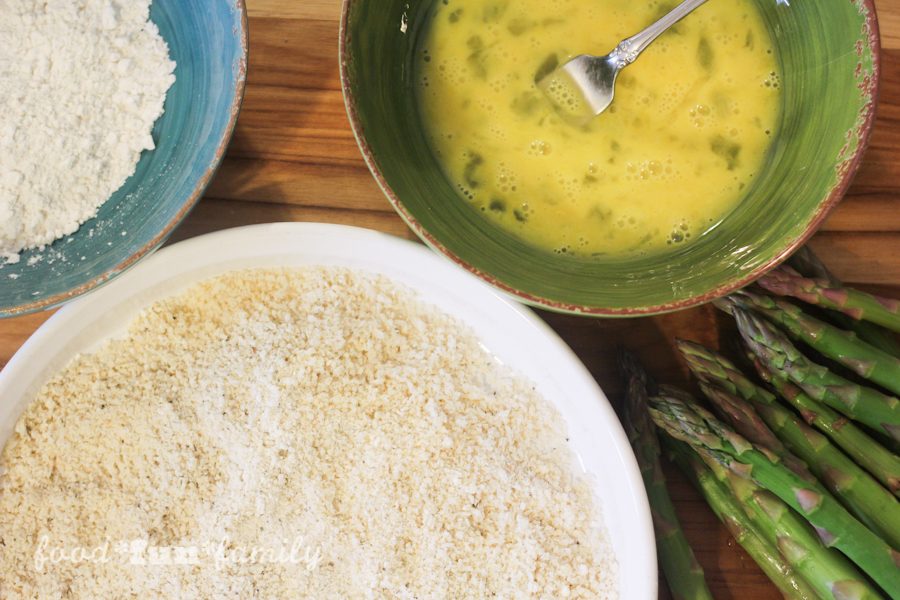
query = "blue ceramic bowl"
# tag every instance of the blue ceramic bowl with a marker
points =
(208, 41)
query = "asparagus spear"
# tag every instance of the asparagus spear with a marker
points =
(683, 573)
(841, 346)
(746, 531)
(808, 264)
(712, 367)
(877, 410)
(748, 423)
(826, 570)
(859, 305)
(881, 338)
(881, 462)
(836, 527)
(833, 575)
(862, 495)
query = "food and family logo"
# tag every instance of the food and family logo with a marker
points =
(141, 553)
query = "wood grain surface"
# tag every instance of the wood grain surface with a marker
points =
(294, 158)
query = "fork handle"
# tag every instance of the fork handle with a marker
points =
(628, 50)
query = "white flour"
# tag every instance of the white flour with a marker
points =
(81, 84)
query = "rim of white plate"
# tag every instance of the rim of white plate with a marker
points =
(509, 330)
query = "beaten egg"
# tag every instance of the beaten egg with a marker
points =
(690, 126)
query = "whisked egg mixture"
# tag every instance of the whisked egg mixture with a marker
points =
(678, 149)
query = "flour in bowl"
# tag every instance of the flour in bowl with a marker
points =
(321, 410)
(81, 84)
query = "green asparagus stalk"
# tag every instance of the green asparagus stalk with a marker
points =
(714, 368)
(808, 264)
(877, 336)
(830, 571)
(841, 346)
(836, 527)
(879, 411)
(749, 424)
(683, 573)
(860, 493)
(866, 451)
(745, 530)
(826, 570)
(785, 281)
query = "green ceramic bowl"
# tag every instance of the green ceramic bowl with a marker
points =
(208, 41)
(829, 57)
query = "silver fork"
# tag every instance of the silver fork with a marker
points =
(584, 87)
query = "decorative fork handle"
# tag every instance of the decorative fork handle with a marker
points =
(628, 50)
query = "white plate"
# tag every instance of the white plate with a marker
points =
(511, 332)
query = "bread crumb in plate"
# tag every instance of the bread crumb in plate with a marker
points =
(317, 411)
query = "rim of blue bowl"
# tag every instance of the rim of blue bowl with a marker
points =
(190, 202)
(846, 172)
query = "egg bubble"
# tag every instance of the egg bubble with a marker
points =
(540, 148)
(680, 234)
(772, 80)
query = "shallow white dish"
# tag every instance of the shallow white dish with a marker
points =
(511, 332)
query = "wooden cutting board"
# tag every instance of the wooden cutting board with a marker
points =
(294, 158)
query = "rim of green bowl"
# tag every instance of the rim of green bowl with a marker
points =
(846, 171)
(56, 300)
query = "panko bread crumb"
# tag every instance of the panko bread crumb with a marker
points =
(317, 409)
